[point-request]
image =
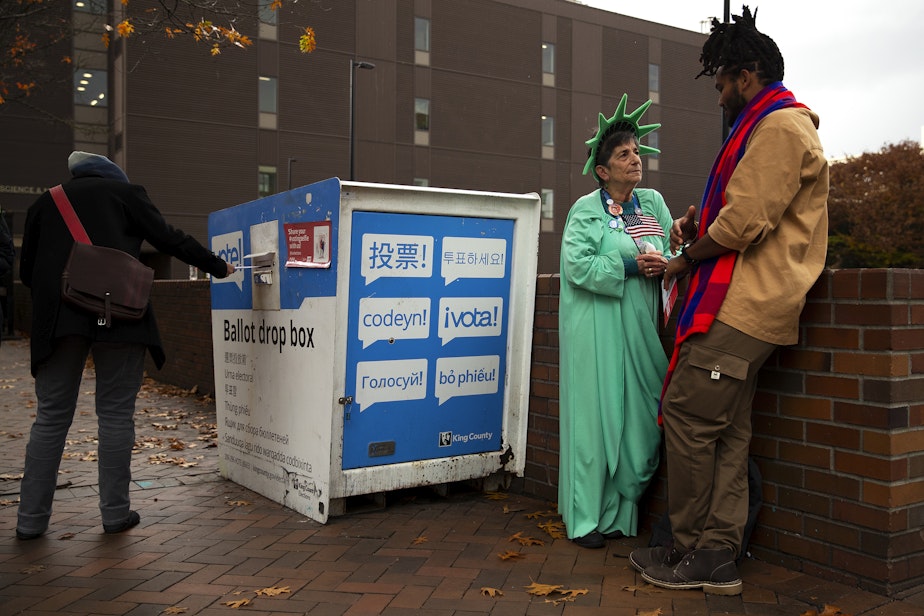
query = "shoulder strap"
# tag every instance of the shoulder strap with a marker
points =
(69, 215)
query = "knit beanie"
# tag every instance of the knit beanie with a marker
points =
(83, 164)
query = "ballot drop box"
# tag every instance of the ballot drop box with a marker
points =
(372, 338)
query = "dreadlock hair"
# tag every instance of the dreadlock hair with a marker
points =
(732, 47)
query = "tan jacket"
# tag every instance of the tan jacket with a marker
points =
(776, 217)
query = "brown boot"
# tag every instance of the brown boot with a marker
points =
(642, 558)
(713, 570)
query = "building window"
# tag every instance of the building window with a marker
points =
(547, 220)
(654, 83)
(90, 88)
(421, 121)
(422, 41)
(267, 14)
(421, 34)
(548, 64)
(269, 19)
(548, 203)
(548, 137)
(266, 181)
(267, 96)
(651, 139)
(422, 114)
(548, 130)
(97, 7)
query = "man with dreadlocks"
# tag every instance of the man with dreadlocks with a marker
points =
(758, 248)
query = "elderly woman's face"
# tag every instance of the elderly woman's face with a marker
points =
(624, 165)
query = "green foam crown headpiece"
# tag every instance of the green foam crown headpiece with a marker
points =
(620, 117)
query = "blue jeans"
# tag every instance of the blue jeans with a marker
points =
(119, 372)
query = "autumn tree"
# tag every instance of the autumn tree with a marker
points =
(36, 35)
(876, 209)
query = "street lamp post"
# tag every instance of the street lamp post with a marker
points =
(353, 66)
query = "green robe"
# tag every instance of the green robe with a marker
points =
(612, 367)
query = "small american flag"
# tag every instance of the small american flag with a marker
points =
(668, 298)
(640, 225)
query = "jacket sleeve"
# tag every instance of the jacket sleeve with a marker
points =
(582, 263)
(168, 239)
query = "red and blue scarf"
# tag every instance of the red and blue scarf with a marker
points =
(711, 277)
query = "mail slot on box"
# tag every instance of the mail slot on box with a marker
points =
(262, 264)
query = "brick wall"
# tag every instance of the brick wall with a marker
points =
(838, 421)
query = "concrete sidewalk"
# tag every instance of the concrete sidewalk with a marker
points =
(206, 546)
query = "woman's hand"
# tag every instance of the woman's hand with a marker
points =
(651, 265)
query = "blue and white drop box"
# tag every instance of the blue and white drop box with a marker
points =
(374, 337)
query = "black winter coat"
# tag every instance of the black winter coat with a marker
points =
(115, 214)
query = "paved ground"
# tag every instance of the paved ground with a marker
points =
(206, 546)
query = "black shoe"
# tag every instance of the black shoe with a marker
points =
(133, 520)
(642, 558)
(712, 570)
(591, 540)
(616, 534)
(27, 536)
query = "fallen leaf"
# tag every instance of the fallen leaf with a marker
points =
(648, 589)
(419, 540)
(67, 536)
(542, 589)
(509, 510)
(554, 529)
(828, 610)
(510, 555)
(11, 476)
(175, 610)
(273, 591)
(527, 541)
(496, 495)
(32, 569)
(239, 503)
(654, 612)
(573, 593)
(491, 592)
(237, 604)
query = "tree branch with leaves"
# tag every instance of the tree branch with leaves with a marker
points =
(876, 209)
(35, 35)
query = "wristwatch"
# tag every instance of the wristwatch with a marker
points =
(683, 253)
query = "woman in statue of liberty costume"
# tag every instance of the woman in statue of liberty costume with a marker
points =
(612, 363)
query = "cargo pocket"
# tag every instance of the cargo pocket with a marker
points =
(719, 364)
